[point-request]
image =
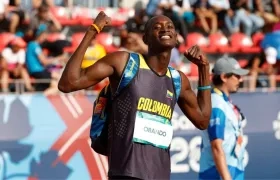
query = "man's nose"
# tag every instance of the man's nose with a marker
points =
(164, 29)
(241, 79)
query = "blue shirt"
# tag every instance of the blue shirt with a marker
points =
(33, 62)
(225, 124)
(272, 40)
(152, 7)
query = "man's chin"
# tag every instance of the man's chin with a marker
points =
(167, 45)
(234, 91)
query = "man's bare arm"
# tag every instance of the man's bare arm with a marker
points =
(220, 158)
(75, 78)
(196, 108)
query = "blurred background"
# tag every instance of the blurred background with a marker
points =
(44, 134)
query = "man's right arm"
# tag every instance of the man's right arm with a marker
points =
(220, 158)
(216, 130)
(75, 78)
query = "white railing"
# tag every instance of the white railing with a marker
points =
(26, 4)
(19, 85)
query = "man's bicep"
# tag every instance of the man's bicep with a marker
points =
(216, 126)
(109, 65)
(97, 72)
(187, 99)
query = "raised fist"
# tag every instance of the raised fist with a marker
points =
(196, 56)
(102, 20)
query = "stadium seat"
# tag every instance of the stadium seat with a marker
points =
(63, 15)
(193, 70)
(106, 40)
(76, 40)
(257, 38)
(5, 39)
(243, 62)
(83, 15)
(219, 41)
(243, 43)
(198, 39)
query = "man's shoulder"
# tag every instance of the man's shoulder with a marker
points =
(33, 45)
(119, 55)
(6, 50)
(117, 59)
(217, 101)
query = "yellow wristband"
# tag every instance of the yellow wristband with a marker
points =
(96, 28)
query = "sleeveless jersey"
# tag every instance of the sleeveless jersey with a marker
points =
(140, 130)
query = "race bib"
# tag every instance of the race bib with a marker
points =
(152, 129)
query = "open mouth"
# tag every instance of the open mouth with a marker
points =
(165, 37)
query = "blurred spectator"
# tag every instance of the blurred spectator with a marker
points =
(167, 9)
(152, 8)
(12, 63)
(37, 63)
(44, 16)
(183, 9)
(133, 42)
(220, 7)
(231, 20)
(94, 52)
(269, 10)
(16, 18)
(272, 40)
(137, 23)
(4, 22)
(11, 20)
(261, 65)
(203, 11)
(246, 16)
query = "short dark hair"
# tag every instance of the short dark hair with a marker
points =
(43, 8)
(217, 80)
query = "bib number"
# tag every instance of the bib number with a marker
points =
(153, 130)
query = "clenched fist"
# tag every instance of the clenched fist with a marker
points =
(196, 56)
(102, 20)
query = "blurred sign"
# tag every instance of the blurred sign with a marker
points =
(47, 138)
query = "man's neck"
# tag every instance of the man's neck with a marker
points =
(224, 89)
(158, 62)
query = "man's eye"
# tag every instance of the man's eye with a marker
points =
(156, 27)
(170, 27)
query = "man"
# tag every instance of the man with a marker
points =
(12, 64)
(130, 156)
(222, 149)
(44, 16)
(37, 62)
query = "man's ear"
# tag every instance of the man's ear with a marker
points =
(145, 40)
(223, 77)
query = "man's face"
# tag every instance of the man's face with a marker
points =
(44, 15)
(161, 33)
(15, 48)
(233, 82)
